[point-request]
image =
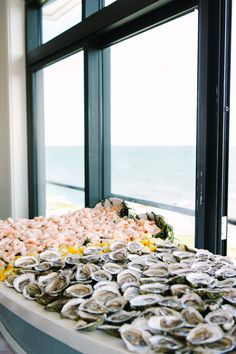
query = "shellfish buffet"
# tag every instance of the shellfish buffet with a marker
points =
(112, 270)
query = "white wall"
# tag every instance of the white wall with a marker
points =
(13, 137)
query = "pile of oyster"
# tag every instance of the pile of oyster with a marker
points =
(176, 300)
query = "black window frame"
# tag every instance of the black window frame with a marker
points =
(103, 26)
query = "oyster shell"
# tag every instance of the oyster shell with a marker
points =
(43, 266)
(92, 306)
(101, 275)
(142, 301)
(154, 288)
(72, 259)
(26, 262)
(112, 268)
(192, 300)
(164, 323)
(110, 329)
(89, 326)
(106, 283)
(191, 316)
(135, 340)
(205, 333)
(225, 272)
(134, 247)
(200, 279)
(105, 293)
(56, 305)
(119, 255)
(170, 301)
(164, 344)
(127, 276)
(58, 284)
(131, 292)
(50, 256)
(219, 317)
(157, 270)
(23, 279)
(44, 280)
(32, 290)
(79, 290)
(122, 316)
(83, 273)
(10, 279)
(70, 309)
(230, 296)
(224, 345)
(116, 304)
(179, 289)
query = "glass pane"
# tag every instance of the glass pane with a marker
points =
(232, 149)
(58, 16)
(63, 132)
(153, 114)
(108, 2)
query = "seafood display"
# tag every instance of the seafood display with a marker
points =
(156, 295)
(109, 220)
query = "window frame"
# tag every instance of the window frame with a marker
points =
(103, 26)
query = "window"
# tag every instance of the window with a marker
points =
(63, 116)
(149, 74)
(232, 149)
(153, 118)
(58, 16)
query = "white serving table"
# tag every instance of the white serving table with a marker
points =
(38, 326)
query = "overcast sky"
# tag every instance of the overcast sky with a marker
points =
(153, 89)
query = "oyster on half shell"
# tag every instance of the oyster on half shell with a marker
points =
(23, 279)
(135, 340)
(205, 333)
(164, 323)
(26, 262)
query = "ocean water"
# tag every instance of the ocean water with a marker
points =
(164, 174)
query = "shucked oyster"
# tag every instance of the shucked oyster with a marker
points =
(58, 284)
(70, 309)
(32, 290)
(135, 340)
(83, 274)
(23, 279)
(101, 275)
(112, 268)
(105, 293)
(26, 262)
(191, 316)
(154, 288)
(127, 276)
(200, 279)
(164, 344)
(164, 323)
(79, 290)
(142, 301)
(44, 280)
(219, 317)
(92, 306)
(122, 316)
(192, 300)
(50, 256)
(224, 345)
(205, 333)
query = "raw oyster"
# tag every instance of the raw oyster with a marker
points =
(23, 279)
(191, 316)
(79, 290)
(127, 276)
(226, 283)
(122, 316)
(116, 304)
(179, 289)
(56, 305)
(73, 259)
(92, 306)
(58, 284)
(135, 340)
(26, 262)
(131, 292)
(159, 270)
(32, 290)
(224, 345)
(119, 255)
(105, 283)
(83, 273)
(70, 309)
(142, 301)
(164, 323)
(219, 317)
(170, 301)
(92, 250)
(117, 245)
(10, 279)
(225, 272)
(205, 333)
(105, 293)
(200, 279)
(134, 247)
(112, 268)
(110, 329)
(230, 296)
(181, 255)
(137, 265)
(44, 280)
(164, 344)
(154, 288)
(50, 256)
(192, 300)
(89, 326)
(46, 299)
(43, 266)
(101, 275)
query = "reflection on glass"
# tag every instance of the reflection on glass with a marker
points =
(153, 115)
(108, 2)
(232, 149)
(58, 16)
(63, 112)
